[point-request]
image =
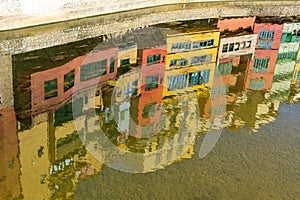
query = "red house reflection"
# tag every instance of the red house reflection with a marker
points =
(261, 70)
(152, 62)
(54, 87)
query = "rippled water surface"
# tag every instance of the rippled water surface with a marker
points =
(202, 109)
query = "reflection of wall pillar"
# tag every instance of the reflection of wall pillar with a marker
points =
(6, 83)
(10, 164)
(51, 136)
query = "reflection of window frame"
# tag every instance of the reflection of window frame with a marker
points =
(236, 46)
(207, 58)
(50, 88)
(93, 70)
(198, 78)
(69, 80)
(231, 47)
(225, 48)
(261, 64)
(153, 58)
(112, 65)
(256, 83)
(151, 82)
(181, 46)
(178, 62)
(248, 44)
(147, 109)
(242, 45)
(124, 62)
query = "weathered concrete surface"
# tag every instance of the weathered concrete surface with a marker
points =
(16, 14)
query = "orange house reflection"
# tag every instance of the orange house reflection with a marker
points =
(54, 87)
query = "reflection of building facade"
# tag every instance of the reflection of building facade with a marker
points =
(191, 61)
(53, 158)
(261, 70)
(9, 150)
(286, 61)
(269, 34)
(55, 86)
(237, 24)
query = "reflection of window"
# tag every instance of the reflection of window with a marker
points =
(182, 46)
(231, 47)
(198, 78)
(266, 34)
(210, 42)
(146, 110)
(225, 48)
(112, 65)
(203, 43)
(242, 45)
(201, 59)
(122, 115)
(177, 82)
(261, 64)
(69, 80)
(223, 69)
(50, 88)
(248, 44)
(236, 46)
(257, 84)
(178, 62)
(93, 70)
(124, 62)
(151, 82)
(153, 58)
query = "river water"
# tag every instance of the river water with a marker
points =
(202, 109)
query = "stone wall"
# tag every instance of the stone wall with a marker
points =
(24, 13)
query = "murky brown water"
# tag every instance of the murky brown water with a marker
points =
(204, 109)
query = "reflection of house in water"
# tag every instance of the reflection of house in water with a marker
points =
(152, 51)
(287, 58)
(261, 69)
(45, 79)
(237, 46)
(9, 150)
(191, 58)
(53, 157)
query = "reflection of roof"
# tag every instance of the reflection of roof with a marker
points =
(191, 25)
(236, 33)
(277, 20)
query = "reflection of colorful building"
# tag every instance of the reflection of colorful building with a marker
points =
(286, 61)
(233, 47)
(236, 24)
(127, 55)
(152, 60)
(128, 85)
(269, 34)
(296, 75)
(261, 70)
(51, 88)
(190, 61)
(53, 157)
(46, 81)
(10, 165)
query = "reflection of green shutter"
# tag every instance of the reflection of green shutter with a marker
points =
(298, 76)
(50, 88)
(112, 65)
